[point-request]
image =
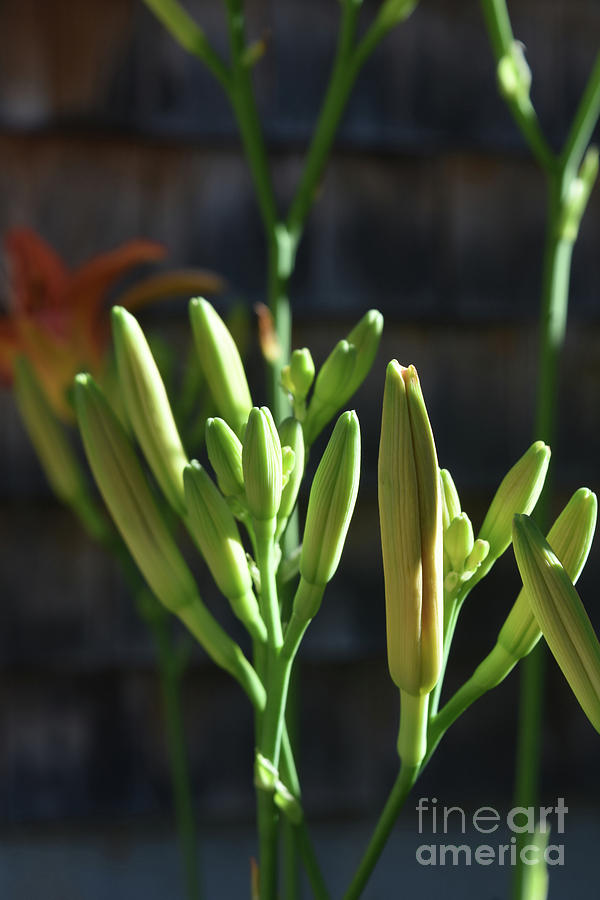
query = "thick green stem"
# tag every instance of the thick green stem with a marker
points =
(387, 820)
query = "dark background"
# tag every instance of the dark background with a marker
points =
(431, 210)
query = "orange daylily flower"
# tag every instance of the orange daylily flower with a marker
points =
(56, 317)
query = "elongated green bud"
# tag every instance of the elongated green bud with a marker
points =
(331, 502)
(48, 436)
(343, 372)
(518, 493)
(298, 376)
(214, 528)
(225, 454)
(221, 363)
(130, 502)
(292, 436)
(410, 515)
(450, 500)
(458, 541)
(262, 465)
(148, 407)
(560, 615)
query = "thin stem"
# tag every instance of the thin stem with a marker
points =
(583, 125)
(311, 863)
(449, 629)
(170, 670)
(400, 791)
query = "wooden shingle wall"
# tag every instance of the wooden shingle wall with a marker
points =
(431, 210)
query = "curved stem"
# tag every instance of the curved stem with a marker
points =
(387, 820)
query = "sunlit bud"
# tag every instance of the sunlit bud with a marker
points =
(128, 497)
(392, 12)
(214, 528)
(224, 450)
(477, 555)
(514, 74)
(47, 435)
(343, 372)
(458, 541)
(571, 539)
(148, 408)
(450, 500)
(331, 502)
(518, 493)
(288, 461)
(221, 363)
(560, 615)
(410, 514)
(298, 376)
(262, 464)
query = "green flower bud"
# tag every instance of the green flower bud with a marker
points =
(450, 500)
(262, 464)
(571, 539)
(514, 75)
(148, 407)
(299, 375)
(130, 502)
(560, 615)
(343, 372)
(410, 514)
(458, 541)
(518, 493)
(221, 363)
(291, 436)
(331, 502)
(224, 450)
(392, 12)
(477, 555)
(214, 528)
(48, 436)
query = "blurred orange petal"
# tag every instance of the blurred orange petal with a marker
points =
(38, 275)
(9, 348)
(90, 282)
(177, 283)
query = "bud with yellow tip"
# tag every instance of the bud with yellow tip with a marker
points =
(560, 615)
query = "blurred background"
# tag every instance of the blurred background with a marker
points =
(432, 211)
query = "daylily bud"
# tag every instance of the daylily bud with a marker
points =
(133, 509)
(224, 450)
(514, 74)
(518, 493)
(392, 12)
(458, 541)
(560, 615)
(331, 502)
(126, 492)
(298, 376)
(450, 499)
(148, 407)
(410, 514)
(343, 372)
(291, 435)
(213, 527)
(477, 555)
(221, 363)
(47, 435)
(571, 539)
(262, 465)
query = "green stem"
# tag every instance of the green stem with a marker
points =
(387, 820)
(311, 863)
(453, 607)
(583, 124)
(170, 671)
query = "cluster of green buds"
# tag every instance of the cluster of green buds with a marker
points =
(462, 553)
(339, 377)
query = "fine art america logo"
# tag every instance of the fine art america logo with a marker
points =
(439, 820)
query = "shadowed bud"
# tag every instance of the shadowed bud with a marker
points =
(458, 541)
(214, 528)
(47, 435)
(130, 502)
(262, 464)
(410, 514)
(224, 450)
(560, 615)
(450, 500)
(292, 436)
(221, 363)
(343, 372)
(331, 502)
(148, 407)
(518, 493)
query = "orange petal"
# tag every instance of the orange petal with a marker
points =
(38, 275)
(9, 348)
(90, 282)
(177, 283)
